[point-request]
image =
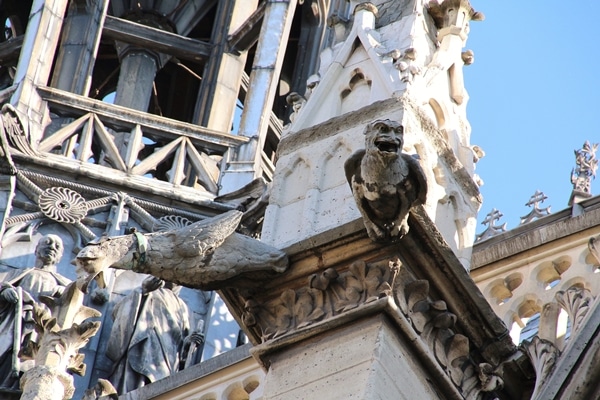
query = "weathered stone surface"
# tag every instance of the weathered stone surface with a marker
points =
(207, 254)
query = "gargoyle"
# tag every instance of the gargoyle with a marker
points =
(205, 255)
(385, 182)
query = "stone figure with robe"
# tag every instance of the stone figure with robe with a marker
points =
(147, 339)
(19, 289)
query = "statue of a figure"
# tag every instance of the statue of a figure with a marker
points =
(18, 291)
(149, 336)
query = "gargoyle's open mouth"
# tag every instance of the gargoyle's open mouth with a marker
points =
(387, 146)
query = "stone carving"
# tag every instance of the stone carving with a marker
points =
(582, 175)
(595, 249)
(147, 338)
(296, 101)
(452, 18)
(543, 355)
(170, 222)
(468, 57)
(103, 389)
(577, 302)
(385, 183)
(62, 205)
(432, 320)
(328, 294)
(492, 229)
(205, 255)
(407, 65)
(19, 291)
(55, 355)
(14, 130)
(538, 197)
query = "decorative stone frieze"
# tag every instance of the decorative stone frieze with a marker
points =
(327, 294)
(336, 282)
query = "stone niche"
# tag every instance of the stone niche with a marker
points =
(310, 194)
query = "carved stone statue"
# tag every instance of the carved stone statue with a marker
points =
(147, 339)
(385, 182)
(18, 292)
(205, 255)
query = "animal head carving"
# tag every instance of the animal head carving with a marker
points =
(384, 137)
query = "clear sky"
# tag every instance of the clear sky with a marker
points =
(534, 93)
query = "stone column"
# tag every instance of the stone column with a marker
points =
(35, 61)
(222, 77)
(245, 165)
(81, 38)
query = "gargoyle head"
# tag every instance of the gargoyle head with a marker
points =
(384, 137)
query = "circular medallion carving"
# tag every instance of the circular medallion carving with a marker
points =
(62, 205)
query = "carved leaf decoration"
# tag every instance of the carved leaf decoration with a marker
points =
(322, 280)
(457, 355)
(76, 365)
(380, 278)
(44, 322)
(306, 309)
(415, 292)
(543, 355)
(577, 302)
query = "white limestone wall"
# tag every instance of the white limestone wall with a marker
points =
(521, 286)
(358, 76)
(311, 195)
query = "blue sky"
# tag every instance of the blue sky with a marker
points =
(534, 91)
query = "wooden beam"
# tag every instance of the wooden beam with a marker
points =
(155, 39)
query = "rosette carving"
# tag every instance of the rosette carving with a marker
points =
(62, 205)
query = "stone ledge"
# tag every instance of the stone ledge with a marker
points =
(190, 374)
(537, 233)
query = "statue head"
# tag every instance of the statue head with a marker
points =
(48, 251)
(385, 137)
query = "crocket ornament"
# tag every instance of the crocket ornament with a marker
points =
(385, 182)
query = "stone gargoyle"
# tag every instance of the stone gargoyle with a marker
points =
(385, 182)
(205, 255)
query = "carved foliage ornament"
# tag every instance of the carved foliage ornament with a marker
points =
(432, 320)
(543, 355)
(330, 293)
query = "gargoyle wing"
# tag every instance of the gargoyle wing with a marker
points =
(204, 236)
(352, 165)
(417, 177)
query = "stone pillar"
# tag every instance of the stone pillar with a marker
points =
(136, 79)
(81, 37)
(35, 61)
(223, 73)
(245, 165)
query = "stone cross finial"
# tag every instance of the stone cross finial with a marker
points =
(584, 172)
(492, 229)
(537, 198)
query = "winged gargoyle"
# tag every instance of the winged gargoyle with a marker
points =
(385, 182)
(205, 255)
